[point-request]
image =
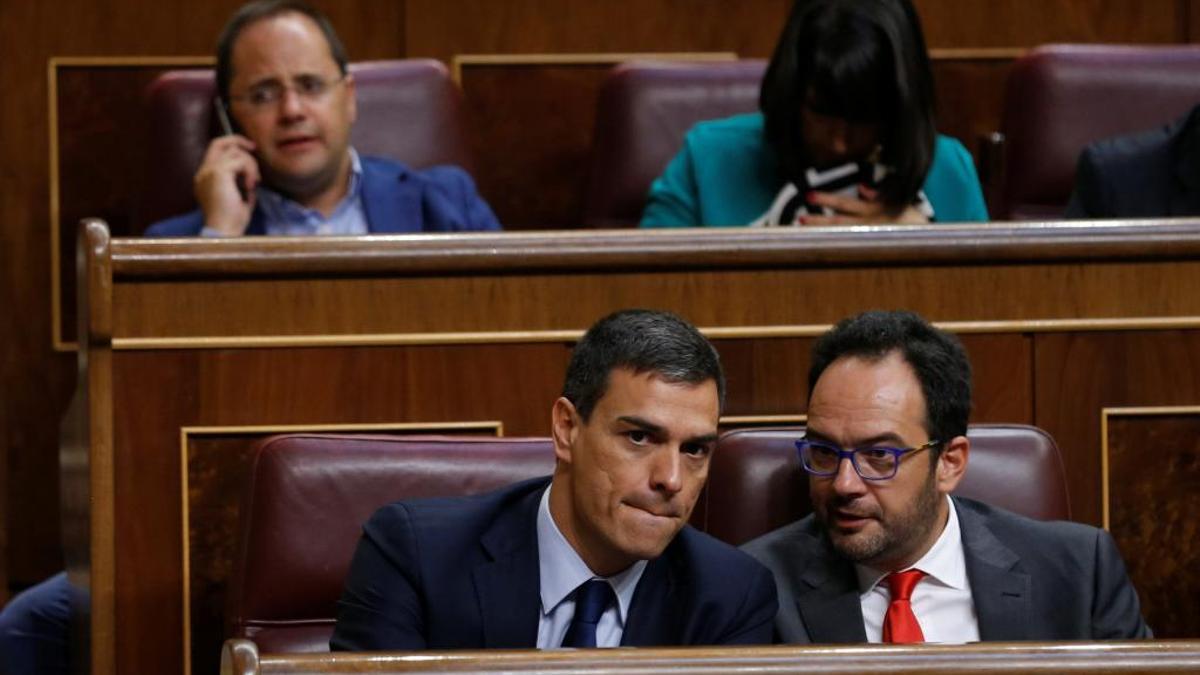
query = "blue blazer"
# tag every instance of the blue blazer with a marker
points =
(462, 573)
(396, 200)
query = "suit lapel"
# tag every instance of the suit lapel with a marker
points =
(1002, 593)
(391, 200)
(655, 613)
(507, 586)
(831, 610)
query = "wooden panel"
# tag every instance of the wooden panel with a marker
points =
(369, 386)
(1077, 375)
(481, 349)
(953, 23)
(1153, 498)
(441, 29)
(33, 33)
(531, 172)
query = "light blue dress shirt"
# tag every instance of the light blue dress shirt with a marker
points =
(561, 571)
(284, 217)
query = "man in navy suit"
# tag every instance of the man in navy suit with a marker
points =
(283, 81)
(888, 555)
(1152, 174)
(597, 555)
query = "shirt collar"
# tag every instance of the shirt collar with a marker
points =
(279, 208)
(562, 570)
(944, 562)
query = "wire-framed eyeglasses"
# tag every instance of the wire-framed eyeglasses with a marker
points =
(871, 463)
(307, 87)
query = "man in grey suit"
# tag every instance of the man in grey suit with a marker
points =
(888, 555)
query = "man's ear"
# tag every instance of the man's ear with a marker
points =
(564, 428)
(952, 463)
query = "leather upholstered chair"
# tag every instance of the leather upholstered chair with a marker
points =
(756, 483)
(307, 499)
(408, 110)
(644, 110)
(1059, 98)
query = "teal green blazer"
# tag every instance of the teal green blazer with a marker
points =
(725, 175)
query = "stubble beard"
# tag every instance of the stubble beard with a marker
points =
(891, 539)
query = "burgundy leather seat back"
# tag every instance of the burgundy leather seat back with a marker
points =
(644, 110)
(1059, 98)
(309, 495)
(756, 483)
(408, 110)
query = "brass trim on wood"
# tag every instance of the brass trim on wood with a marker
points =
(586, 58)
(58, 342)
(977, 54)
(714, 333)
(1136, 411)
(186, 433)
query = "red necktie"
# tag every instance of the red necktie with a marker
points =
(900, 624)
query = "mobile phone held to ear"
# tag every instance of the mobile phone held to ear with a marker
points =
(227, 130)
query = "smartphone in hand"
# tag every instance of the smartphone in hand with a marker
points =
(227, 130)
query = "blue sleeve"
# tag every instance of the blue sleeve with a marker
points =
(380, 607)
(674, 199)
(187, 225)
(452, 202)
(952, 185)
(755, 621)
(35, 628)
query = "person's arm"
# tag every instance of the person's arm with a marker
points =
(754, 623)
(380, 607)
(674, 200)
(1116, 613)
(224, 186)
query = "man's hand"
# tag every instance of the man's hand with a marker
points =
(865, 209)
(227, 162)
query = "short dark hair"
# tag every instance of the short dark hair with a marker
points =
(859, 60)
(937, 357)
(253, 12)
(643, 341)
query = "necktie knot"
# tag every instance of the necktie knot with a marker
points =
(901, 584)
(592, 598)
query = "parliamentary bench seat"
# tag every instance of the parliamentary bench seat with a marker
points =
(309, 494)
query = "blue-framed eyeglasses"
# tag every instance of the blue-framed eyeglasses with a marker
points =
(872, 463)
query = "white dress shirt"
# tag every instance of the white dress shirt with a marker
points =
(942, 599)
(561, 572)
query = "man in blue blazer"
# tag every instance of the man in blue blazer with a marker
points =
(597, 555)
(888, 555)
(289, 170)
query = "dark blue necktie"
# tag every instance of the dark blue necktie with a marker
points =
(591, 599)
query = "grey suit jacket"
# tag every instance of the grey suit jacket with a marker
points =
(1030, 580)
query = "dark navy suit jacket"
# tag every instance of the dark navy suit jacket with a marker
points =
(396, 199)
(1153, 174)
(462, 573)
(1030, 580)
